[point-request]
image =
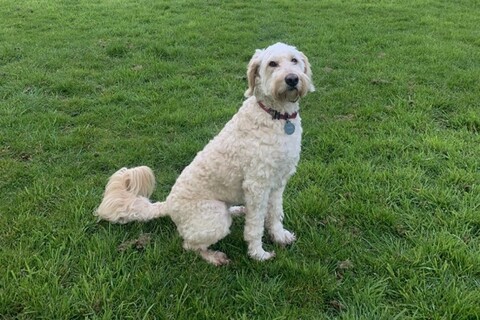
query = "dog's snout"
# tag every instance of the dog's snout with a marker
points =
(291, 80)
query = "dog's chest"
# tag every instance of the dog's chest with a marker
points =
(288, 147)
(279, 151)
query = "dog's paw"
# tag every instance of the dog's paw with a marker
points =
(284, 237)
(262, 255)
(220, 259)
(216, 258)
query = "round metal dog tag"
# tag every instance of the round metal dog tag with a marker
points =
(289, 128)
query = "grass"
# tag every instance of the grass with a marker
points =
(385, 203)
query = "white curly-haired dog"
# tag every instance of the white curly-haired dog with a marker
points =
(244, 169)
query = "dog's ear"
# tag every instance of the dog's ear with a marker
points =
(308, 71)
(252, 71)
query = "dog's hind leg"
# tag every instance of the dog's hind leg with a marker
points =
(203, 223)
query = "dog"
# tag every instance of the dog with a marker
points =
(241, 171)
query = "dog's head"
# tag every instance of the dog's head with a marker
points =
(280, 72)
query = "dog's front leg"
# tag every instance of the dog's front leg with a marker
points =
(256, 202)
(275, 218)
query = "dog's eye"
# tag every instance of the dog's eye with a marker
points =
(272, 64)
(294, 60)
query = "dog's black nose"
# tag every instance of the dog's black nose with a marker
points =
(291, 80)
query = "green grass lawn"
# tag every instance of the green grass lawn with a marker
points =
(385, 202)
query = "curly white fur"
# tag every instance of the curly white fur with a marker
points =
(247, 163)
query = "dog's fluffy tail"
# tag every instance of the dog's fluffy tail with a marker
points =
(126, 197)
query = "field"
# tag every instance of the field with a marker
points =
(385, 202)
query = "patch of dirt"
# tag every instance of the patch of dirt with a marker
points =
(345, 265)
(342, 267)
(137, 244)
(328, 69)
(337, 305)
(379, 81)
(345, 117)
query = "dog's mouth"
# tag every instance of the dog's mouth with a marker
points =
(292, 94)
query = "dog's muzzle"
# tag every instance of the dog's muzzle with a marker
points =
(291, 80)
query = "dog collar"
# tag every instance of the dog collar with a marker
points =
(277, 115)
(289, 127)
